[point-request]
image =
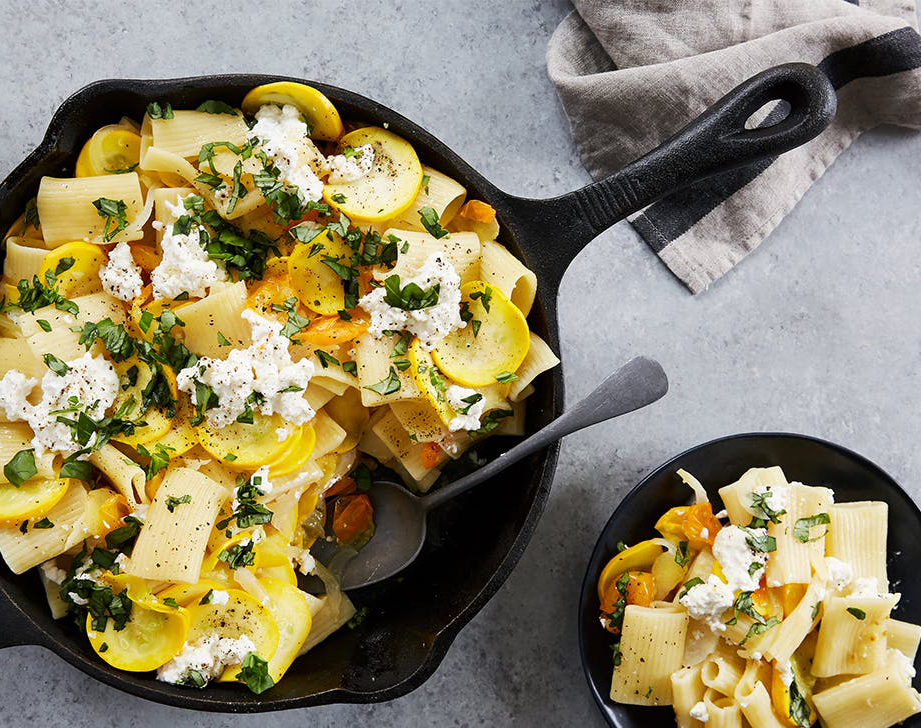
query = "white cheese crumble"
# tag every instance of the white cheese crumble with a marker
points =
(699, 712)
(282, 433)
(140, 511)
(284, 137)
(219, 597)
(470, 420)
(786, 672)
(209, 656)
(840, 573)
(260, 479)
(306, 563)
(430, 324)
(864, 587)
(53, 573)
(776, 497)
(265, 367)
(121, 276)
(735, 557)
(185, 266)
(349, 169)
(705, 533)
(91, 381)
(709, 601)
(721, 515)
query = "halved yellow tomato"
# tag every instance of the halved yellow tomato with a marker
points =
(499, 345)
(242, 446)
(317, 285)
(388, 188)
(34, 498)
(319, 112)
(83, 276)
(149, 639)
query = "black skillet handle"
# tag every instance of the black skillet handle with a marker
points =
(714, 142)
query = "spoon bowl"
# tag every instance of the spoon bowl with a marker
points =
(400, 516)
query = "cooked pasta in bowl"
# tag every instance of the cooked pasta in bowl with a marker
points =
(216, 333)
(757, 599)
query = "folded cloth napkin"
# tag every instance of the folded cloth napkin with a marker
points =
(630, 73)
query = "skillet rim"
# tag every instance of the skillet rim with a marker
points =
(53, 142)
(602, 702)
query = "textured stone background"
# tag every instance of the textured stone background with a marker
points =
(816, 332)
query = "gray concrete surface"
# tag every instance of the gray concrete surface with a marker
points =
(816, 332)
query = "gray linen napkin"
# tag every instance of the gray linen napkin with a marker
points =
(630, 73)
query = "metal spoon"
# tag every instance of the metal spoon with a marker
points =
(400, 516)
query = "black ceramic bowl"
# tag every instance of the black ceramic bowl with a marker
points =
(718, 463)
(474, 542)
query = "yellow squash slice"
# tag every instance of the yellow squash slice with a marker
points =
(241, 615)
(248, 446)
(317, 285)
(499, 346)
(430, 381)
(290, 609)
(187, 595)
(391, 185)
(636, 558)
(150, 638)
(83, 276)
(134, 376)
(298, 454)
(318, 110)
(114, 150)
(34, 498)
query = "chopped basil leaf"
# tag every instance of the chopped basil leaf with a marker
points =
(21, 467)
(506, 377)
(254, 671)
(156, 110)
(55, 364)
(216, 107)
(44, 523)
(681, 554)
(114, 211)
(388, 385)
(44, 325)
(172, 502)
(429, 219)
(688, 585)
(802, 526)
(858, 613)
(31, 213)
(350, 367)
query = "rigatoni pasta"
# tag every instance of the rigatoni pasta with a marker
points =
(782, 630)
(215, 337)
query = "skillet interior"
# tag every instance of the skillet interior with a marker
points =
(473, 543)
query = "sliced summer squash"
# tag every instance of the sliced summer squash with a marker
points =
(150, 638)
(499, 345)
(316, 284)
(391, 185)
(34, 498)
(241, 445)
(83, 276)
(318, 111)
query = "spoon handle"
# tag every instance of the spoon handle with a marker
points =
(639, 382)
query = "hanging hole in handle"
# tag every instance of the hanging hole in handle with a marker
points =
(770, 114)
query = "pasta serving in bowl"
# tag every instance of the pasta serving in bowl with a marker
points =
(214, 334)
(772, 606)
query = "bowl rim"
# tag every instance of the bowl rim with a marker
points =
(51, 143)
(602, 701)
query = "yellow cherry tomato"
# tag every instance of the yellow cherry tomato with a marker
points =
(388, 188)
(148, 640)
(82, 276)
(499, 345)
(318, 111)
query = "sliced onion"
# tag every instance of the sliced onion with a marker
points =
(695, 485)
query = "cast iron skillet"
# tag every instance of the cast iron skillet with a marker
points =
(474, 543)
(718, 463)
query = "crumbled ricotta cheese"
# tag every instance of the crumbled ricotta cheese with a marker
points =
(350, 169)
(721, 515)
(265, 366)
(306, 563)
(260, 479)
(735, 557)
(219, 597)
(284, 137)
(699, 712)
(121, 276)
(776, 497)
(91, 381)
(840, 573)
(786, 672)
(77, 599)
(53, 573)
(864, 587)
(209, 656)
(185, 266)
(705, 533)
(282, 433)
(470, 420)
(430, 324)
(709, 601)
